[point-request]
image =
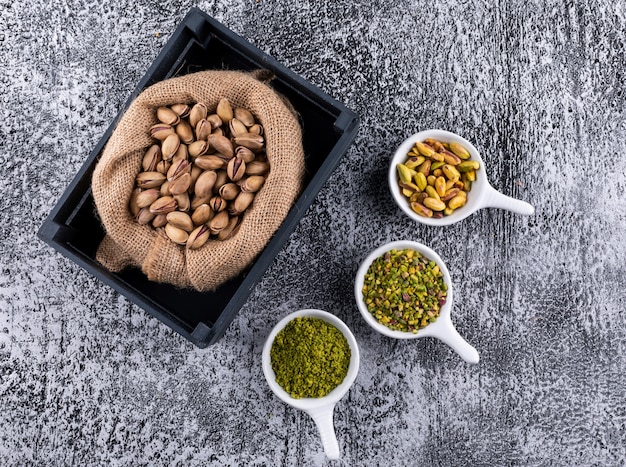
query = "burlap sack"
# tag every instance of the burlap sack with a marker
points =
(128, 243)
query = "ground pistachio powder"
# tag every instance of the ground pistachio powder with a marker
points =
(310, 357)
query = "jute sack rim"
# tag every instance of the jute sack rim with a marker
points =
(129, 243)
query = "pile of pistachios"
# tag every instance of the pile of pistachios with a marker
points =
(202, 173)
(436, 177)
(404, 290)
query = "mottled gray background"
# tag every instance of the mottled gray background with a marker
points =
(87, 378)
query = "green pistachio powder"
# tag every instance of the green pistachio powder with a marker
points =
(310, 357)
(404, 290)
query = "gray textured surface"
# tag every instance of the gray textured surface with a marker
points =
(86, 378)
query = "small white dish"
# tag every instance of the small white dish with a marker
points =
(482, 194)
(319, 409)
(442, 328)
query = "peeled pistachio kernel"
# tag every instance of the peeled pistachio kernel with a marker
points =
(432, 192)
(414, 161)
(434, 204)
(424, 149)
(459, 150)
(443, 171)
(440, 186)
(467, 166)
(421, 209)
(451, 172)
(457, 202)
(404, 173)
(404, 290)
(420, 181)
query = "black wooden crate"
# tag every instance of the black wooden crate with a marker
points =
(201, 43)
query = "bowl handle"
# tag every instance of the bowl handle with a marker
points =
(323, 417)
(495, 199)
(452, 338)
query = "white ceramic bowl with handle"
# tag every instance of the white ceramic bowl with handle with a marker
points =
(320, 409)
(442, 329)
(482, 194)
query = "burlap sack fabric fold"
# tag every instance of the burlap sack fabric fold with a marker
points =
(128, 243)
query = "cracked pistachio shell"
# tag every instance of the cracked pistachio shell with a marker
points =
(170, 146)
(230, 229)
(215, 121)
(180, 184)
(132, 203)
(183, 202)
(151, 158)
(241, 203)
(250, 140)
(167, 116)
(144, 216)
(256, 129)
(252, 183)
(257, 168)
(163, 205)
(175, 234)
(161, 131)
(244, 116)
(203, 129)
(198, 148)
(209, 162)
(218, 204)
(202, 214)
(205, 183)
(224, 110)
(237, 127)
(182, 220)
(222, 145)
(236, 169)
(149, 179)
(198, 201)
(229, 191)
(198, 112)
(159, 221)
(178, 167)
(219, 222)
(182, 110)
(245, 154)
(222, 178)
(198, 237)
(185, 132)
(147, 197)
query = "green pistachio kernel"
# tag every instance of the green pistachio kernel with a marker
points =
(404, 290)
(310, 357)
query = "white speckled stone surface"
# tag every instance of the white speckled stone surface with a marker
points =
(87, 378)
